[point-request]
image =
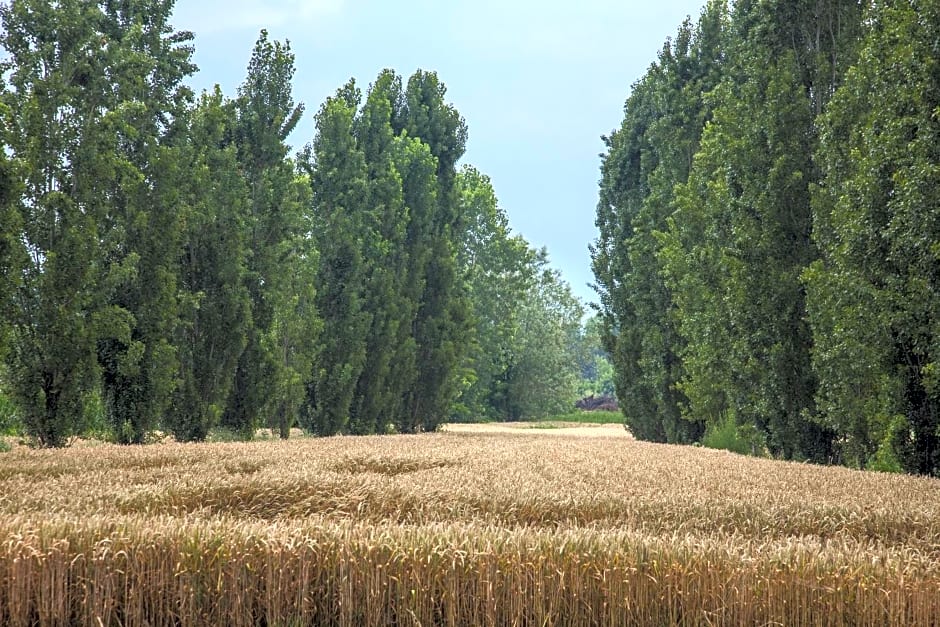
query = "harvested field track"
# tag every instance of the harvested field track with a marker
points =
(457, 528)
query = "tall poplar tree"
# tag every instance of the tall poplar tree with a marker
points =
(339, 178)
(385, 255)
(442, 326)
(58, 113)
(647, 157)
(740, 237)
(280, 266)
(137, 183)
(215, 305)
(418, 170)
(873, 295)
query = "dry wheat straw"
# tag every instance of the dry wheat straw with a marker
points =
(459, 530)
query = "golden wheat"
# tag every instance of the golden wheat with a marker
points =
(459, 529)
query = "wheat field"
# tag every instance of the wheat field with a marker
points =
(459, 528)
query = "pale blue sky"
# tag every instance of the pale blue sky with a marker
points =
(538, 83)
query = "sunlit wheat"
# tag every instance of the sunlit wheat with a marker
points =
(459, 529)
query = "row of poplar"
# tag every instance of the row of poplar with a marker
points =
(769, 250)
(163, 255)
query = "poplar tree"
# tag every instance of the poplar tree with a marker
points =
(442, 326)
(385, 255)
(279, 277)
(339, 179)
(215, 305)
(740, 236)
(418, 170)
(78, 73)
(873, 295)
(646, 158)
(137, 183)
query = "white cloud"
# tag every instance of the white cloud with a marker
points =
(215, 16)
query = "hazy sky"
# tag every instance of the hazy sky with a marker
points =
(537, 81)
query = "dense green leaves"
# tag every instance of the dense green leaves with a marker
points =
(787, 273)
(281, 261)
(339, 177)
(873, 294)
(12, 253)
(524, 360)
(651, 153)
(215, 307)
(167, 260)
(137, 176)
(85, 147)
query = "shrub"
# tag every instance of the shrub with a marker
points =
(589, 417)
(9, 421)
(728, 435)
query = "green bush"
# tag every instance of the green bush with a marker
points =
(726, 434)
(588, 417)
(9, 420)
(886, 458)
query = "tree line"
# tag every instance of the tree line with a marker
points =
(166, 260)
(769, 249)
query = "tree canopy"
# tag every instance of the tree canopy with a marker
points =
(166, 259)
(768, 233)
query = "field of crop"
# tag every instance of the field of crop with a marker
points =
(459, 528)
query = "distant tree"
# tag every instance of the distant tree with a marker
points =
(499, 269)
(543, 373)
(597, 373)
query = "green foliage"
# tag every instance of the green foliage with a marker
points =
(597, 371)
(738, 241)
(136, 181)
(646, 158)
(873, 295)
(885, 458)
(803, 118)
(499, 271)
(338, 175)
(587, 417)
(728, 435)
(165, 263)
(225, 434)
(215, 306)
(380, 390)
(12, 254)
(442, 328)
(543, 374)
(9, 418)
(280, 270)
(524, 358)
(56, 96)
